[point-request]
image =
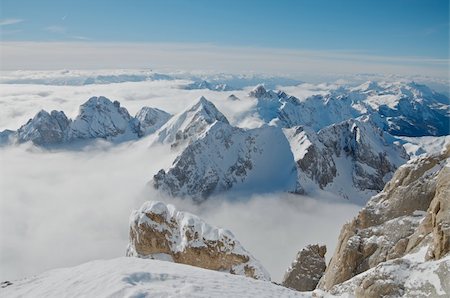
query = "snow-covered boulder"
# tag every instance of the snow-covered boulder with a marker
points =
(307, 269)
(159, 231)
(399, 243)
(229, 158)
(151, 119)
(99, 117)
(45, 128)
(190, 124)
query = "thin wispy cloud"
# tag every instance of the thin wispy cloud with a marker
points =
(56, 29)
(79, 37)
(5, 22)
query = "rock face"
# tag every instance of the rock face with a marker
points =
(353, 151)
(151, 119)
(45, 128)
(159, 231)
(307, 269)
(405, 227)
(190, 124)
(101, 118)
(230, 158)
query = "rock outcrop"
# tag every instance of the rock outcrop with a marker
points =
(405, 228)
(307, 269)
(159, 231)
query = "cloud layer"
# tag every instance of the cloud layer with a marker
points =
(90, 55)
(64, 207)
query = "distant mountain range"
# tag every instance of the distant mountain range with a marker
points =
(345, 142)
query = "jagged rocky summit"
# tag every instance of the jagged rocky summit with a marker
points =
(400, 108)
(208, 85)
(217, 157)
(159, 231)
(98, 117)
(189, 125)
(353, 158)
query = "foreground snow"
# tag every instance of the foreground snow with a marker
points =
(134, 277)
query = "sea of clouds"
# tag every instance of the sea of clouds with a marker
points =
(65, 206)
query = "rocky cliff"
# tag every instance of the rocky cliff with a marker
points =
(399, 243)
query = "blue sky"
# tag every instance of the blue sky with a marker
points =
(286, 36)
(392, 27)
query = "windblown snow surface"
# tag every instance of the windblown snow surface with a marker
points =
(134, 277)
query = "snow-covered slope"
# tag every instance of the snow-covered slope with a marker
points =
(159, 231)
(225, 157)
(353, 158)
(190, 124)
(135, 277)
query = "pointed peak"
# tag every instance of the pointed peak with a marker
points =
(258, 91)
(42, 113)
(203, 100)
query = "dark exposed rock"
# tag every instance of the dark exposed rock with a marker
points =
(307, 269)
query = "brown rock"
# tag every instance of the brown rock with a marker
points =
(307, 269)
(159, 231)
(412, 208)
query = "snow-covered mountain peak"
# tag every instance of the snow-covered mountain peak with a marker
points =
(226, 157)
(368, 86)
(99, 117)
(188, 125)
(258, 92)
(151, 119)
(45, 128)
